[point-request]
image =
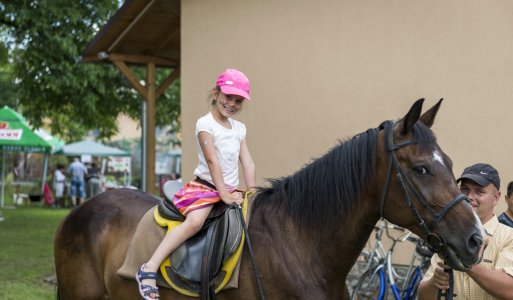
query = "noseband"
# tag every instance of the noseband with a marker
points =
(434, 240)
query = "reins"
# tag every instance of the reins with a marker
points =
(448, 293)
(252, 255)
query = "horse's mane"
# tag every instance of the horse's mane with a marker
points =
(325, 190)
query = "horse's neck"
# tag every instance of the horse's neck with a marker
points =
(317, 262)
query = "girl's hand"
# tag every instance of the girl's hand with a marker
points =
(252, 190)
(232, 198)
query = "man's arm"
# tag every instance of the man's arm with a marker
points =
(495, 282)
(427, 290)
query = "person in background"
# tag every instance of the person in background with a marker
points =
(492, 278)
(93, 181)
(177, 177)
(506, 217)
(77, 171)
(59, 181)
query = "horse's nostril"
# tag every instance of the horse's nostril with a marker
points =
(475, 241)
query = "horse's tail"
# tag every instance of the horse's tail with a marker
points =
(57, 295)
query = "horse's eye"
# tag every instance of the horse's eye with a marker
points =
(421, 170)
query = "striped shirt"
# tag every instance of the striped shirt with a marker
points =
(498, 255)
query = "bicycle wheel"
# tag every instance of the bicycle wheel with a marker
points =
(413, 284)
(354, 275)
(371, 286)
(416, 277)
(366, 261)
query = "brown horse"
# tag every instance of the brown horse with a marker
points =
(307, 229)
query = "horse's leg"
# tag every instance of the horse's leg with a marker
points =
(77, 277)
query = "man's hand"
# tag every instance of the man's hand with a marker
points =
(441, 277)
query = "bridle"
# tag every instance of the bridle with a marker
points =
(437, 243)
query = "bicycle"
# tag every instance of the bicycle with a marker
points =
(421, 260)
(378, 275)
(369, 259)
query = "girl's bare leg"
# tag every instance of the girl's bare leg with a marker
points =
(177, 236)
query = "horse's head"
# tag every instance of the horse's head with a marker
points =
(420, 191)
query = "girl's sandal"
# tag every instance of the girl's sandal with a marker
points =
(147, 290)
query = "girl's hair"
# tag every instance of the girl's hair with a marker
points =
(211, 94)
(510, 189)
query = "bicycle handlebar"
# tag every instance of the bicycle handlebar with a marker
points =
(423, 251)
(413, 239)
(402, 237)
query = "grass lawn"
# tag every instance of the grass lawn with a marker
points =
(26, 252)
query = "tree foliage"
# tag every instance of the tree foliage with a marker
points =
(44, 40)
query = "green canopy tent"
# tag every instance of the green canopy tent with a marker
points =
(55, 142)
(17, 136)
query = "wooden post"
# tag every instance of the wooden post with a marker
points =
(150, 128)
(150, 93)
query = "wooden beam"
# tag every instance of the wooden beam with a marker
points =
(142, 59)
(168, 38)
(150, 129)
(132, 24)
(167, 82)
(131, 77)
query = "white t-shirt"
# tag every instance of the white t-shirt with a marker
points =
(58, 183)
(227, 145)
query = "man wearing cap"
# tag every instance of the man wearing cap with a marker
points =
(492, 278)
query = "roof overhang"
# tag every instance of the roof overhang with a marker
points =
(140, 32)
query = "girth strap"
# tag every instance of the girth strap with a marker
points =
(207, 292)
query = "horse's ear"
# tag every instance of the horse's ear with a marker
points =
(412, 116)
(428, 118)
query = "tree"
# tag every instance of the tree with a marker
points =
(8, 95)
(44, 40)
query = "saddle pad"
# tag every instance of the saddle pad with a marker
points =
(229, 270)
(146, 239)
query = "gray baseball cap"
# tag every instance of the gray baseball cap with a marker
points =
(482, 174)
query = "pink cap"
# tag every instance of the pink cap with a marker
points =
(234, 82)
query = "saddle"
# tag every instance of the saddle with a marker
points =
(203, 264)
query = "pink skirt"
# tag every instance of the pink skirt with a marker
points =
(194, 195)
